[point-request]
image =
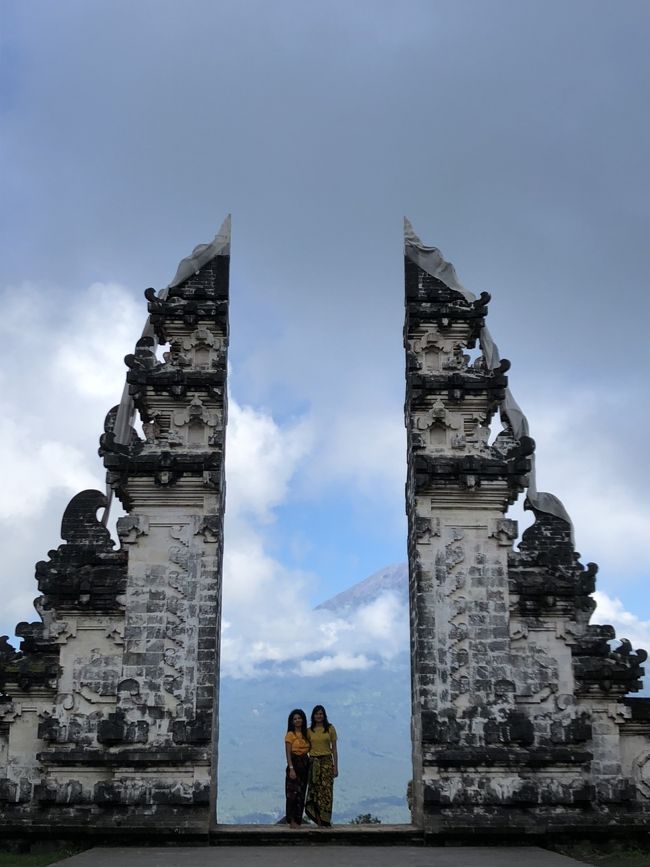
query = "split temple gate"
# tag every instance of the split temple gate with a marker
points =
(521, 722)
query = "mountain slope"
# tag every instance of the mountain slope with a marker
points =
(372, 716)
(390, 579)
(371, 711)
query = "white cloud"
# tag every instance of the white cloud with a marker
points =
(268, 619)
(582, 458)
(35, 467)
(71, 372)
(384, 624)
(49, 447)
(610, 610)
(261, 458)
(337, 662)
(52, 448)
(268, 616)
(363, 446)
(66, 372)
(90, 353)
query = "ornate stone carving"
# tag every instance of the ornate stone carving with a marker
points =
(86, 571)
(210, 528)
(505, 531)
(512, 689)
(118, 679)
(131, 527)
(195, 413)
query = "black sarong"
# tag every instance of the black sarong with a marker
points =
(296, 788)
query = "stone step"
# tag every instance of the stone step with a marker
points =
(310, 835)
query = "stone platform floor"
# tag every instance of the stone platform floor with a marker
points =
(319, 856)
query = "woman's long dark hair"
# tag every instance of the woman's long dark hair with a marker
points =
(326, 725)
(303, 725)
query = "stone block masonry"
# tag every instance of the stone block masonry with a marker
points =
(109, 709)
(519, 718)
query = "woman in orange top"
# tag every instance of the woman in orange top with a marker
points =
(296, 747)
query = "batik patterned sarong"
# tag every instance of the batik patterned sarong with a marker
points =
(321, 787)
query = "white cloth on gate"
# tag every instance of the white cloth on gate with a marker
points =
(192, 264)
(432, 262)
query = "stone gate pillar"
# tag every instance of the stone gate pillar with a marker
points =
(458, 489)
(108, 712)
(173, 486)
(520, 721)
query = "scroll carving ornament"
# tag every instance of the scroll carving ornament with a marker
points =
(194, 412)
(131, 527)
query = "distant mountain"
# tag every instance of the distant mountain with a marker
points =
(392, 579)
(371, 711)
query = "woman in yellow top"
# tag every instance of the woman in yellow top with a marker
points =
(296, 747)
(323, 767)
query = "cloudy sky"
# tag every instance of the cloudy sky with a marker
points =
(516, 138)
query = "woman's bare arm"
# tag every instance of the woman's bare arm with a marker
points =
(287, 750)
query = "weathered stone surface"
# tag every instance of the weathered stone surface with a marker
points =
(518, 721)
(107, 711)
(87, 572)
